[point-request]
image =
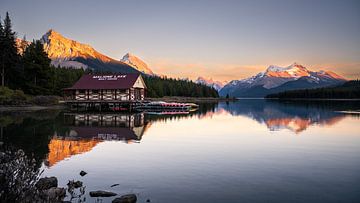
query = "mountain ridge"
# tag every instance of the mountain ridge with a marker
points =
(276, 78)
(210, 82)
(137, 63)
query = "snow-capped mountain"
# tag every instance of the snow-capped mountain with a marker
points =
(65, 52)
(137, 63)
(275, 79)
(210, 82)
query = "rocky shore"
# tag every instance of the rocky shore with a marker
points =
(49, 191)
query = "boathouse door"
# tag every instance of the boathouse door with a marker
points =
(137, 93)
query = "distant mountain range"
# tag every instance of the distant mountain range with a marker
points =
(277, 79)
(210, 82)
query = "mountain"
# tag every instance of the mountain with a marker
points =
(21, 45)
(348, 90)
(136, 63)
(276, 79)
(70, 53)
(210, 82)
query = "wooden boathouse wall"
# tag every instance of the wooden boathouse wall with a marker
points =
(98, 92)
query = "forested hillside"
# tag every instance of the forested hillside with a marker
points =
(348, 90)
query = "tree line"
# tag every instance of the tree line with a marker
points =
(348, 90)
(26, 67)
(159, 87)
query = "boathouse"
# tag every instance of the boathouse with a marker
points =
(107, 88)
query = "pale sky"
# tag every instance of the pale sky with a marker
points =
(224, 40)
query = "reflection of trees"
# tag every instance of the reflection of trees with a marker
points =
(29, 131)
(202, 111)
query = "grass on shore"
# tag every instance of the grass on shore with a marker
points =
(11, 97)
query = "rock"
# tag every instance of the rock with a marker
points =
(55, 193)
(148, 200)
(101, 193)
(82, 173)
(74, 184)
(129, 198)
(46, 183)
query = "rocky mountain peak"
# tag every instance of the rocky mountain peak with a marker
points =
(137, 63)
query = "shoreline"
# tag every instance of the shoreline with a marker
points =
(312, 99)
(29, 107)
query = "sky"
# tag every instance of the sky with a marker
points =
(223, 40)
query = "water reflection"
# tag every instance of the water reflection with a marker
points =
(61, 135)
(85, 131)
(296, 116)
(221, 149)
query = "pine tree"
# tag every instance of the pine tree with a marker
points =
(2, 54)
(37, 68)
(9, 54)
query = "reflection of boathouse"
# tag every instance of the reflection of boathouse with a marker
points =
(106, 126)
(85, 131)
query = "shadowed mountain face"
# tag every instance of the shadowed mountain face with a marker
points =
(69, 53)
(277, 79)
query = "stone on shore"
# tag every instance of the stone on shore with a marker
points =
(129, 198)
(55, 193)
(74, 184)
(82, 173)
(101, 193)
(46, 183)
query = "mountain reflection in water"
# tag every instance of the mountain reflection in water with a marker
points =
(296, 116)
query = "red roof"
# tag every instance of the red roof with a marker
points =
(108, 81)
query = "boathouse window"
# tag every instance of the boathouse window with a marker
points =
(82, 91)
(95, 91)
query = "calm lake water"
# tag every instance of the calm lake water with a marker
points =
(245, 151)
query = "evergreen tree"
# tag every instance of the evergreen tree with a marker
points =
(8, 54)
(2, 52)
(39, 73)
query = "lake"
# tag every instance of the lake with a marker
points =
(244, 151)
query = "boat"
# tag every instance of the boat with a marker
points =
(161, 105)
